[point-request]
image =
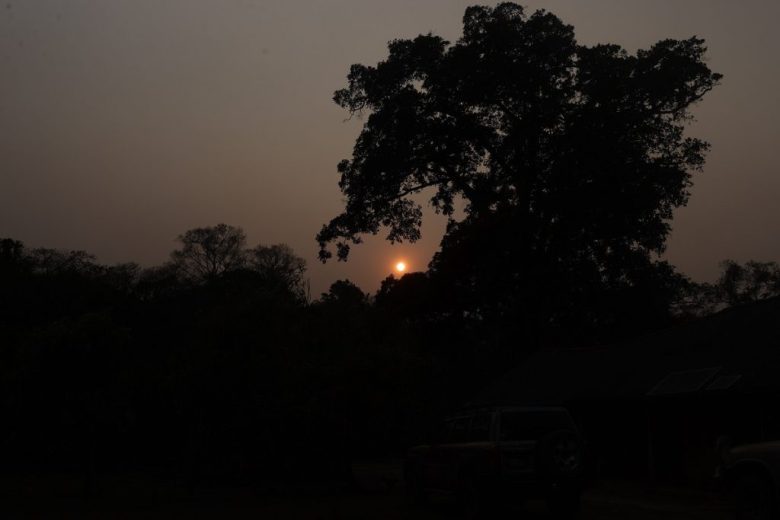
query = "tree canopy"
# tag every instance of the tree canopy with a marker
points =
(583, 145)
(568, 160)
(208, 252)
(738, 284)
(279, 265)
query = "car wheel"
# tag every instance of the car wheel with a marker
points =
(559, 455)
(755, 498)
(471, 497)
(415, 487)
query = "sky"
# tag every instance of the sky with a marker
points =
(124, 123)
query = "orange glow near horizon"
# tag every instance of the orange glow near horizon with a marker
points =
(400, 267)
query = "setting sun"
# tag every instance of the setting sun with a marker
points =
(400, 267)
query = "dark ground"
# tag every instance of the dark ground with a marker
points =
(382, 498)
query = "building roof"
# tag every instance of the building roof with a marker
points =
(735, 350)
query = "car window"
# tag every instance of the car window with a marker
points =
(458, 429)
(480, 427)
(532, 425)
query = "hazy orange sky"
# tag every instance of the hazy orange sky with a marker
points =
(123, 123)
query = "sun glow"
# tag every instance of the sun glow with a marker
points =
(400, 267)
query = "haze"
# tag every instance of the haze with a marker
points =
(125, 123)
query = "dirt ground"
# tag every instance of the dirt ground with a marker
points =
(381, 498)
(387, 505)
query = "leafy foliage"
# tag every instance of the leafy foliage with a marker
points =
(209, 252)
(567, 160)
(278, 265)
(738, 284)
(236, 377)
(581, 144)
(749, 282)
(233, 375)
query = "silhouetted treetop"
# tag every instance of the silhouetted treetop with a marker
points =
(576, 142)
(279, 265)
(217, 256)
(748, 282)
(737, 284)
(346, 294)
(208, 252)
(53, 261)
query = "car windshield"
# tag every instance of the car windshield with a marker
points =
(531, 425)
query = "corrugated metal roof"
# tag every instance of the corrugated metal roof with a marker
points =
(685, 382)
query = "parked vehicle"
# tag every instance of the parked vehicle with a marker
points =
(752, 473)
(497, 454)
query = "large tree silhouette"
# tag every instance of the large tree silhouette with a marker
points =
(565, 157)
(580, 142)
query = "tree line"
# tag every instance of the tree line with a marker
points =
(217, 365)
